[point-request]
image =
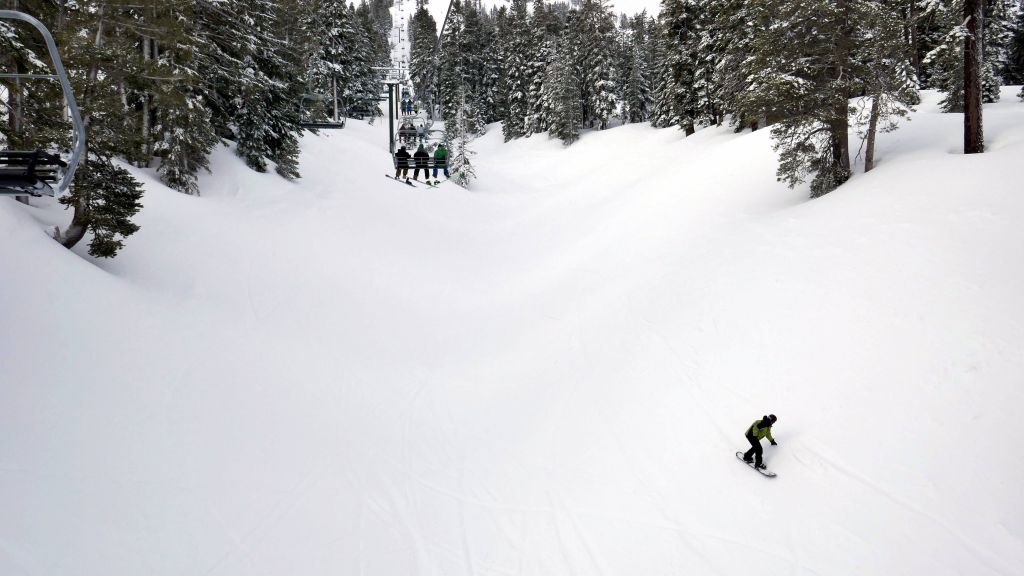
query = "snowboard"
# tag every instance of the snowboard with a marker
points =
(400, 180)
(765, 473)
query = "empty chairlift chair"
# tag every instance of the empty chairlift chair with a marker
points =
(336, 121)
(35, 172)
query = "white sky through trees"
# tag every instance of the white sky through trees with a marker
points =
(630, 7)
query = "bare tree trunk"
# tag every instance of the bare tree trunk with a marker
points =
(80, 220)
(912, 25)
(974, 139)
(15, 108)
(869, 152)
(17, 103)
(840, 124)
(841, 146)
(334, 97)
(147, 55)
(15, 97)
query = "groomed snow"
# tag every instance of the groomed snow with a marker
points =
(546, 375)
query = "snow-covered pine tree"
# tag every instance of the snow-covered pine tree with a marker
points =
(945, 62)
(184, 132)
(287, 66)
(371, 51)
(473, 46)
(380, 14)
(666, 110)
(929, 31)
(495, 95)
(562, 97)
(1014, 73)
(516, 87)
(884, 63)
(459, 135)
(239, 59)
(332, 69)
(678, 93)
(266, 116)
(188, 139)
(595, 58)
(801, 64)
(706, 51)
(623, 62)
(736, 25)
(105, 198)
(1000, 20)
(422, 58)
(540, 56)
(489, 72)
(462, 66)
(637, 93)
(452, 72)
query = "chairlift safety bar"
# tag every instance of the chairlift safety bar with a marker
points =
(78, 148)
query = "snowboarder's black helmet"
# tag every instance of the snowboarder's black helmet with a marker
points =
(772, 418)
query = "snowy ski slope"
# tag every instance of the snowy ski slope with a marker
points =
(546, 375)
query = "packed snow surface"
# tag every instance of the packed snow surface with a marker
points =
(546, 375)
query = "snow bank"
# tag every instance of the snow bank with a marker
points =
(545, 375)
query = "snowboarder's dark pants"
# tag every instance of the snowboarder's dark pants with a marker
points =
(755, 450)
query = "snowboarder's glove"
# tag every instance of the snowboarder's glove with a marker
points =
(774, 443)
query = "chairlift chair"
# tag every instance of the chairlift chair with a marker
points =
(311, 124)
(35, 172)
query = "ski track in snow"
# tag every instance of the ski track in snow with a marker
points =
(994, 563)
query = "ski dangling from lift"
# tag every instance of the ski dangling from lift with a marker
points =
(437, 182)
(400, 180)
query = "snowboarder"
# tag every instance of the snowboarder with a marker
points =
(759, 429)
(422, 159)
(402, 163)
(441, 161)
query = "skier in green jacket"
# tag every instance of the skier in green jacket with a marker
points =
(759, 429)
(440, 160)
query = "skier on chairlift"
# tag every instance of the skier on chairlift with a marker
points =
(402, 164)
(407, 132)
(440, 160)
(422, 160)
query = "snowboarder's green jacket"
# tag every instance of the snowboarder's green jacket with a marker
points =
(440, 154)
(760, 429)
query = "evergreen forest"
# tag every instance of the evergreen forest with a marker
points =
(161, 83)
